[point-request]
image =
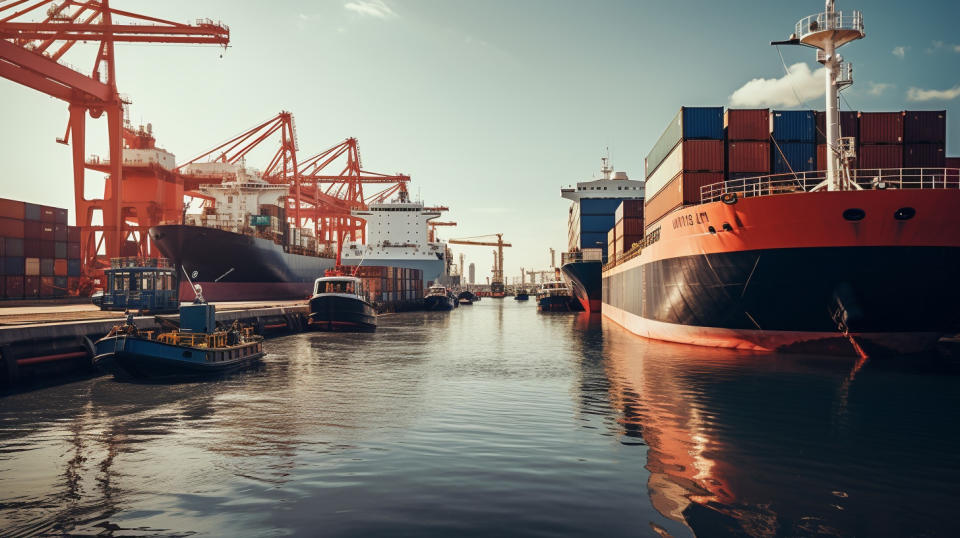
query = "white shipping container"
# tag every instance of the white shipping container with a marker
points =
(671, 166)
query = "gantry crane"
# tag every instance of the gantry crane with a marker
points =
(31, 54)
(431, 234)
(496, 285)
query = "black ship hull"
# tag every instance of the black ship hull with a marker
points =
(231, 266)
(336, 312)
(793, 298)
(587, 283)
(555, 303)
(439, 302)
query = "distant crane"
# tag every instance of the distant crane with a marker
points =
(431, 235)
(496, 286)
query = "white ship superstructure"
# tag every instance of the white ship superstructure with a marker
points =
(398, 236)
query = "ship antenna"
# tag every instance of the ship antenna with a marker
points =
(605, 168)
(827, 32)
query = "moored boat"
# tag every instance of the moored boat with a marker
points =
(554, 296)
(439, 298)
(521, 295)
(197, 348)
(341, 303)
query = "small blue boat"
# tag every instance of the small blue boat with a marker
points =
(197, 348)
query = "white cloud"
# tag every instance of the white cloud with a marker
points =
(371, 8)
(956, 48)
(900, 52)
(918, 94)
(783, 91)
(877, 88)
(934, 46)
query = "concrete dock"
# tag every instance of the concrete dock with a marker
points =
(46, 343)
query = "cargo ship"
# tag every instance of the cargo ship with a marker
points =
(398, 236)
(846, 259)
(241, 247)
(591, 215)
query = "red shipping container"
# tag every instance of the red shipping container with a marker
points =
(630, 226)
(747, 124)
(953, 175)
(60, 215)
(46, 286)
(11, 209)
(628, 208)
(31, 229)
(683, 189)
(748, 157)
(849, 125)
(924, 156)
(31, 286)
(73, 251)
(928, 126)
(48, 249)
(881, 127)
(13, 286)
(48, 214)
(73, 234)
(11, 228)
(952, 162)
(60, 232)
(31, 249)
(60, 267)
(47, 232)
(881, 156)
(703, 155)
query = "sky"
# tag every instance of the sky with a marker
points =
(489, 106)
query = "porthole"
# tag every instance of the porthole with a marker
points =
(727, 227)
(854, 214)
(711, 229)
(904, 213)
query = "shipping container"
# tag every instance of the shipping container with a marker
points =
(849, 125)
(46, 286)
(59, 286)
(11, 209)
(48, 249)
(11, 228)
(47, 232)
(32, 266)
(13, 287)
(60, 215)
(60, 232)
(46, 266)
(13, 246)
(881, 127)
(60, 250)
(3, 287)
(691, 123)
(924, 156)
(747, 124)
(3, 246)
(924, 126)
(48, 214)
(953, 174)
(683, 189)
(60, 267)
(31, 211)
(73, 234)
(743, 156)
(611, 235)
(31, 249)
(73, 251)
(13, 265)
(630, 226)
(688, 156)
(625, 243)
(628, 208)
(31, 229)
(794, 157)
(822, 158)
(793, 126)
(31, 286)
(880, 156)
(74, 268)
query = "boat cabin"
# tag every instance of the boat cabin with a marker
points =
(437, 290)
(148, 284)
(340, 285)
(554, 287)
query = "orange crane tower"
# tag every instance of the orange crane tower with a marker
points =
(496, 285)
(31, 54)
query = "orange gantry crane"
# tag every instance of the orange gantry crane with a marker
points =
(496, 284)
(31, 54)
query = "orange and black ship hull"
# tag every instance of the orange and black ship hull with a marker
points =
(791, 272)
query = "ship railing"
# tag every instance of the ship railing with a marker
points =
(135, 261)
(836, 21)
(861, 179)
(585, 255)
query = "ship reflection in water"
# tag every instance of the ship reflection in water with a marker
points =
(763, 445)
(492, 420)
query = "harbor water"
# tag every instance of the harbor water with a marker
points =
(493, 420)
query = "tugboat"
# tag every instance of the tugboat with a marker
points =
(439, 298)
(341, 302)
(522, 295)
(554, 296)
(466, 298)
(196, 348)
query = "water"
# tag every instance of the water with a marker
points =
(493, 420)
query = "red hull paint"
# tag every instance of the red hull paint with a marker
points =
(248, 291)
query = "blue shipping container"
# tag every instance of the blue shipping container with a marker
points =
(599, 206)
(596, 223)
(794, 125)
(31, 211)
(13, 266)
(594, 240)
(691, 123)
(12, 246)
(73, 268)
(801, 156)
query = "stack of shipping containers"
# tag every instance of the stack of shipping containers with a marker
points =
(688, 155)
(393, 289)
(793, 135)
(39, 253)
(849, 127)
(596, 218)
(627, 230)
(747, 142)
(924, 138)
(881, 140)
